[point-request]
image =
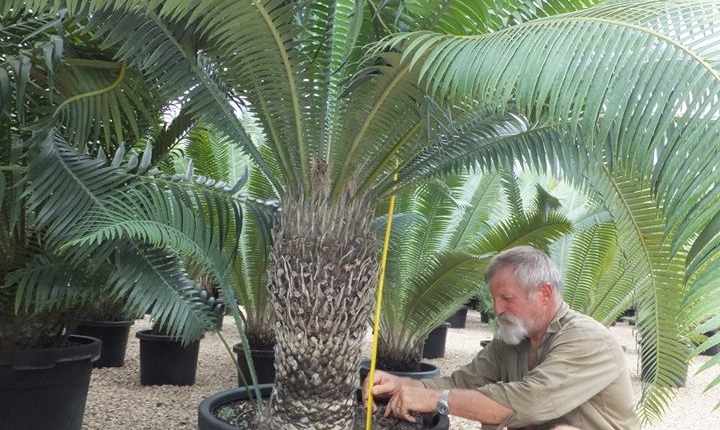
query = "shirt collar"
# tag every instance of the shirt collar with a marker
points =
(555, 324)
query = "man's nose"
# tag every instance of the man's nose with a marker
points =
(498, 309)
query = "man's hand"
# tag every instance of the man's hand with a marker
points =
(406, 395)
(384, 385)
(412, 399)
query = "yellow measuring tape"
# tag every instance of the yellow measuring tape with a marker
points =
(376, 322)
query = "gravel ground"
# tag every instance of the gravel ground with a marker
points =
(117, 401)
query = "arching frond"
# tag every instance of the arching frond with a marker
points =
(638, 114)
(150, 277)
(660, 287)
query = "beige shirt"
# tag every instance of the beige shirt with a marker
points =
(581, 378)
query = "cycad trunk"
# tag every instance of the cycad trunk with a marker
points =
(321, 284)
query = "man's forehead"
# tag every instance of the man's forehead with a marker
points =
(504, 281)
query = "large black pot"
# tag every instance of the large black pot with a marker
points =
(208, 421)
(263, 361)
(114, 337)
(165, 361)
(434, 346)
(436, 422)
(427, 371)
(431, 421)
(47, 388)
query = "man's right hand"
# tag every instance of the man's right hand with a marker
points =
(384, 385)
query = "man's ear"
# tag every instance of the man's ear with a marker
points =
(547, 292)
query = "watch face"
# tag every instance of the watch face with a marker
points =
(443, 408)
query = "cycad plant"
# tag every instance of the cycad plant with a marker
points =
(214, 156)
(619, 95)
(83, 227)
(85, 214)
(444, 236)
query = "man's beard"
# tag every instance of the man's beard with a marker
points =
(511, 329)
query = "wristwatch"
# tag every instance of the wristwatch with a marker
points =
(442, 406)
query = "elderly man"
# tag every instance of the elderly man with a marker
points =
(547, 366)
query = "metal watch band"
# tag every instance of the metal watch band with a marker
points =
(443, 407)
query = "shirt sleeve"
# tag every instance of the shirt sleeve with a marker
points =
(580, 363)
(480, 371)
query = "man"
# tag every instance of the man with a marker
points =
(547, 366)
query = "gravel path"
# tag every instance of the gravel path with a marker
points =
(117, 401)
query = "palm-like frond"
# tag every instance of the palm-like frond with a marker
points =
(419, 304)
(523, 65)
(591, 269)
(660, 284)
(150, 277)
(56, 175)
(158, 218)
(91, 95)
(212, 156)
(482, 195)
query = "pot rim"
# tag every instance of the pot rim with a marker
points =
(83, 348)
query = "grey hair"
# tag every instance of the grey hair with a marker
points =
(531, 268)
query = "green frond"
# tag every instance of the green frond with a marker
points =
(47, 281)
(660, 286)
(523, 231)
(165, 141)
(199, 210)
(624, 104)
(150, 277)
(249, 274)
(481, 197)
(463, 17)
(180, 72)
(210, 153)
(494, 142)
(387, 108)
(417, 304)
(590, 259)
(57, 175)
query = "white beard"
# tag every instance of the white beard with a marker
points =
(510, 329)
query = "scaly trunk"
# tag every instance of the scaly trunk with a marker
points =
(321, 284)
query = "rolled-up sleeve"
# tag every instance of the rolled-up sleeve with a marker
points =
(580, 365)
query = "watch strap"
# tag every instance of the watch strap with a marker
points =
(443, 407)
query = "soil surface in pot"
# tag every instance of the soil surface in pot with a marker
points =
(386, 423)
(240, 414)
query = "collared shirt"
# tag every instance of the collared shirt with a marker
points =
(581, 378)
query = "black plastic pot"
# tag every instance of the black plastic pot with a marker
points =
(431, 421)
(164, 361)
(208, 421)
(713, 350)
(484, 316)
(46, 388)
(434, 346)
(459, 318)
(263, 361)
(219, 310)
(114, 337)
(427, 371)
(436, 422)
